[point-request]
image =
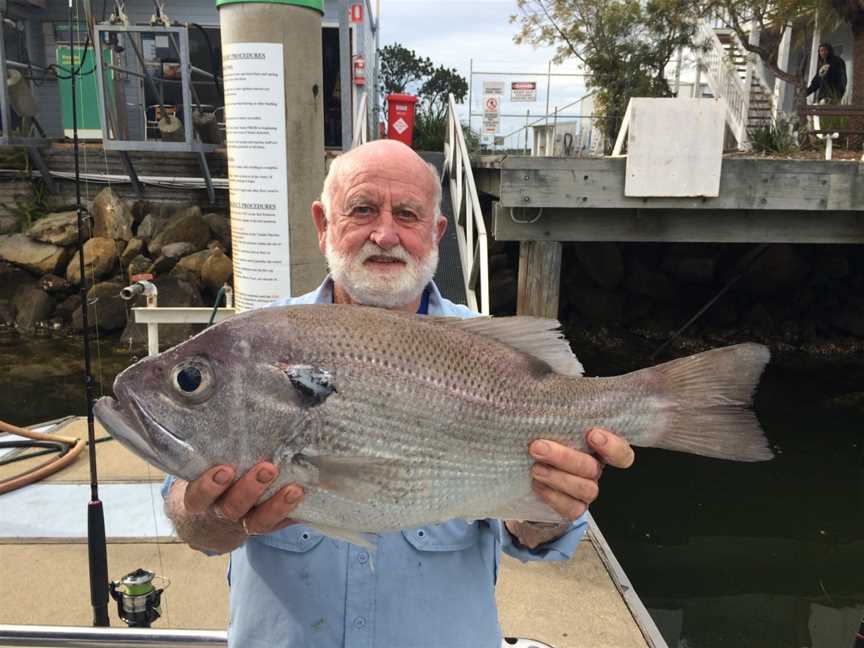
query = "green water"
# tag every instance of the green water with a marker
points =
(724, 555)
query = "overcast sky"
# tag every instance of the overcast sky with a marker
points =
(453, 32)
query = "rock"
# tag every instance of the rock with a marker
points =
(602, 261)
(188, 226)
(32, 305)
(132, 250)
(172, 292)
(139, 209)
(67, 308)
(138, 265)
(12, 278)
(105, 308)
(40, 258)
(100, 256)
(194, 262)
(52, 284)
(220, 228)
(650, 284)
(178, 250)
(151, 226)
(8, 224)
(7, 315)
(112, 218)
(161, 266)
(216, 270)
(58, 229)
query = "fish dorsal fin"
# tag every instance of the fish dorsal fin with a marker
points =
(537, 337)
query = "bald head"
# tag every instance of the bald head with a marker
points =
(380, 154)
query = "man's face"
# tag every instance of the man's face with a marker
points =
(381, 239)
(823, 53)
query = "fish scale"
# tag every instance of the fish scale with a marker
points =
(391, 420)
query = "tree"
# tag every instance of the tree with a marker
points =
(402, 70)
(626, 44)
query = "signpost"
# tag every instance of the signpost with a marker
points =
(493, 93)
(523, 91)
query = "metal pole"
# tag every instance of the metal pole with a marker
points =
(548, 90)
(345, 74)
(527, 118)
(470, 85)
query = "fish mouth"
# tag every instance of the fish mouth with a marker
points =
(136, 429)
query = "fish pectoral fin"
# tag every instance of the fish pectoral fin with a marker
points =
(354, 537)
(361, 478)
(528, 508)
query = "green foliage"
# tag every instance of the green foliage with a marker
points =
(626, 44)
(30, 207)
(777, 138)
(402, 70)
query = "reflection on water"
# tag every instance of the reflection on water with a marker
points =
(725, 555)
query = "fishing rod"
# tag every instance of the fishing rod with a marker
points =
(97, 550)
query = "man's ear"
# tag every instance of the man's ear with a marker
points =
(320, 224)
(441, 227)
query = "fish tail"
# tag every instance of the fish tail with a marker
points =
(706, 402)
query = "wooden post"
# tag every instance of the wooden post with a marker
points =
(539, 278)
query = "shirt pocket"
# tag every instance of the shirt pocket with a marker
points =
(296, 538)
(455, 535)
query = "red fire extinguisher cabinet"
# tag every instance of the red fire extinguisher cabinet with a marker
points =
(400, 117)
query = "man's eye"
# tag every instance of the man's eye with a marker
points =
(407, 215)
(362, 210)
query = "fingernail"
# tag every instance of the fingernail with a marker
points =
(265, 476)
(598, 438)
(540, 449)
(222, 477)
(293, 494)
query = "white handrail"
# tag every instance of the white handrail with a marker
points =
(467, 216)
(725, 83)
(361, 124)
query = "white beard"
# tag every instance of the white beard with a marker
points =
(387, 290)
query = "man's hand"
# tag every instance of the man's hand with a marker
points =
(214, 512)
(567, 480)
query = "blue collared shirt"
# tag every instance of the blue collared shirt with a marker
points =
(429, 587)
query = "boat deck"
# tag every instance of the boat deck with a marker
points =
(583, 602)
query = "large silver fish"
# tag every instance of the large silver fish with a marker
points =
(393, 421)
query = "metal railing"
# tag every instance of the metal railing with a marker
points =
(85, 637)
(361, 124)
(467, 215)
(725, 83)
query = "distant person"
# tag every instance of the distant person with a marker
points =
(829, 84)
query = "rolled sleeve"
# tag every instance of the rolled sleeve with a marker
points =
(562, 548)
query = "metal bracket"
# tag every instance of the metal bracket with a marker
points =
(205, 170)
(133, 176)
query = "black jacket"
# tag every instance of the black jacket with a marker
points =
(830, 80)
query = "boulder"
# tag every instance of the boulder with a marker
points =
(40, 258)
(178, 250)
(12, 278)
(112, 218)
(66, 308)
(54, 285)
(186, 225)
(105, 308)
(194, 262)
(132, 250)
(32, 305)
(8, 224)
(220, 229)
(161, 266)
(100, 256)
(216, 271)
(138, 265)
(172, 292)
(58, 229)
(602, 261)
(150, 226)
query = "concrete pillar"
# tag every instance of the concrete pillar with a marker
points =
(296, 26)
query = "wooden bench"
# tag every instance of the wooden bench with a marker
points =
(817, 111)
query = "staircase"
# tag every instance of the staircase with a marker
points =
(737, 79)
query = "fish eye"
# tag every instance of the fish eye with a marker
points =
(189, 379)
(192, 379)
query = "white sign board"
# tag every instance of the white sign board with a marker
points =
(523, 91)
(491, 124)
(493, 88)
(674, 148)
(257, 168)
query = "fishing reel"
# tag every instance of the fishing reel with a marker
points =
(138, 600)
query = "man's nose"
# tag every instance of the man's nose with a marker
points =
(386, 234)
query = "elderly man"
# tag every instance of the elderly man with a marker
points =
(379, 225)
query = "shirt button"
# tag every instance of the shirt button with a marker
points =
(362, 558)
(359, 622)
